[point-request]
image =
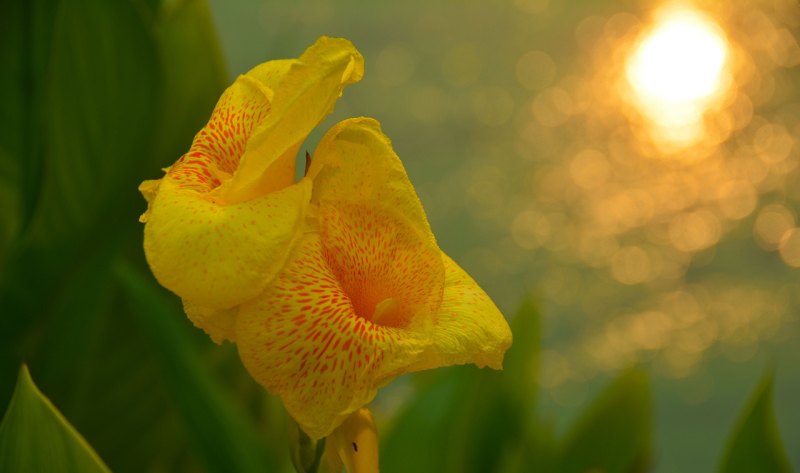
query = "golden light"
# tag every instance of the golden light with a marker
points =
(677, 71)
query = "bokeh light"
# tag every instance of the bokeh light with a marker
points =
(658, 160)
(677, 70)
(645, 194)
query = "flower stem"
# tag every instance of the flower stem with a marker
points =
(306, 453)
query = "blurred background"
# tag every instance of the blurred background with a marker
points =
(631, 167)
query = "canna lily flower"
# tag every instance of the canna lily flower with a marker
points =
(367, 295)
(330, 287)
(223, 220)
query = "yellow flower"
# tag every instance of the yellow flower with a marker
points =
(345, 287)
(367, 295)
(222, 221)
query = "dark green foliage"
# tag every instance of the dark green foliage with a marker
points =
(98, 95)
(465, 419)
(35, 437)
(98, 116)
(614, 434)
(191, 83)
(223, 437)
(755, 444)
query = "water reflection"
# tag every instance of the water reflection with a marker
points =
(677, 70)
(545, 170)
(661, 147)
(633, 166)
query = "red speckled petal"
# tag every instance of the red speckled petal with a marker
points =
(303, 341)
(216, 149)
(305, 94)
(377, 254)
(322, 336)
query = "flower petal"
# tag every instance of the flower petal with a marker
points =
(303, 341)
(377, 256)
(354, 444)
(321, 335)
(219, 324)
(355, 162)
(313, 339)
(218, 147)
(216, 256)
(467, 328)
(304, 95)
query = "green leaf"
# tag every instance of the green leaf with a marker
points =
(495, 420)
(427, 419)
(193, 75)
(93, 361)
(224, 439)
(479, 420)
(25, 43)
(521, 363)
(755, 444)
(12, 116)
(614, 435)
(101, 91)
(76, 310)
(305, 452)
(10, 205)
(82, 81)
(34, 436)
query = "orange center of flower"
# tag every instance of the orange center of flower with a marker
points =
(386, 309)
(388, 271)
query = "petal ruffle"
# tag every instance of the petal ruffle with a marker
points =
(467, 327)
(355, 162)
(303, 96)
(217, 256)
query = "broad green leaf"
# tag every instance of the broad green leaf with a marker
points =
(101, 91)
(521, 363)
(35, 437)
(118, 399)
(89, 89)
(13, 91)
(426, 420)
(10, 215)
(13, 116)
(755, 444)
(477, 420)
(25, 42)
(74, 316)
(496, 417)
(224, 439)
(193, 75)
(94, 363)
(614, 434)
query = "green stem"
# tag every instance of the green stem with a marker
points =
(305, 452)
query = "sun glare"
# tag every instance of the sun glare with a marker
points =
(677, 71)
